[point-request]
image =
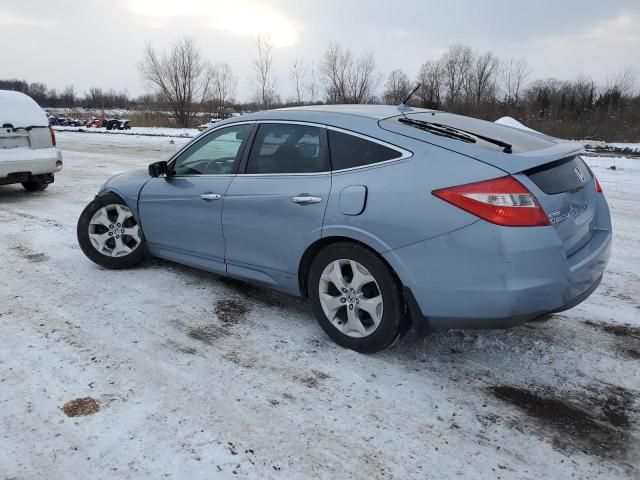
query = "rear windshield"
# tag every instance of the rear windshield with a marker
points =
(520, 140)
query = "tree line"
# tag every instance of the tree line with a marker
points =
(462, 80)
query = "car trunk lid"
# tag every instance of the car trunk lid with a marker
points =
(566, 190)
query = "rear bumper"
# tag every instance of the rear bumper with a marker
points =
(19, 161)
(486, 276)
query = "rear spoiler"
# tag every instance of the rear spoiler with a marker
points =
(527, 160)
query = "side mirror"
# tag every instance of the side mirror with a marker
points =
(158, 168)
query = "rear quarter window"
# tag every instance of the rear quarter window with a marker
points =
(349, 151)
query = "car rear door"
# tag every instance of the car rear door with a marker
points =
(181, 215)
(274, 207)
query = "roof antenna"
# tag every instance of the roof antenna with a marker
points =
(403, 107)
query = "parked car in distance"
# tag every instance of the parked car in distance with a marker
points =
(27, 143)
(380, 216)
(116, 124)
(95, 122)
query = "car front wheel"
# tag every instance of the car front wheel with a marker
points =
(109, 234)
(356, 298)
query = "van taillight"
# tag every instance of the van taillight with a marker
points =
(53, 136)
(503, 201)
(598, 187)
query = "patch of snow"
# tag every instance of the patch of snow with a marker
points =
(512, 122)
(145, 131)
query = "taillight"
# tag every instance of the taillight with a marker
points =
(53, 136)
(598, 187)
(503, 201)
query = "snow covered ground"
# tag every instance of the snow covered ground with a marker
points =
(141, 131)
(199, 377)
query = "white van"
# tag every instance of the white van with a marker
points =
(27, 143)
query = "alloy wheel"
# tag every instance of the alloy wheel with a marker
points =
(351, 298)
(114, 232)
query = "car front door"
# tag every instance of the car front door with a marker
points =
(181, 214)
(274, 207)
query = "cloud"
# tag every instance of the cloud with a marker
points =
(8, 18)
(238, 17)
(607, 47)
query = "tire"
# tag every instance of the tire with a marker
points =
(109, 234)
(33, 186)
(374, 281)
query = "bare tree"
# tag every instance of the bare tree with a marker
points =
(180, 75)
(483, 78)
(298, 74)
(624, 82)
(514, 76)
(38, 91)
(543, 96)
(457, 63)
(312, 84)
(397, 88)
(265, 85)
(224, 84)
(583, 92)
(349, 79)
(431, 80)
(94, 98)
(68, 96)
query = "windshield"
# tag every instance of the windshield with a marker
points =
(497, 135)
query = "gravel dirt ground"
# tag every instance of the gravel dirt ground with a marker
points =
(173, 373)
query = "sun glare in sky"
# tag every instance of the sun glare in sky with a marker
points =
(238, 17)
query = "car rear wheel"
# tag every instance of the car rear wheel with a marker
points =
(109, 234)
(33, 186)
(356, 298)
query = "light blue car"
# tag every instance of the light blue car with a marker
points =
(380, 216)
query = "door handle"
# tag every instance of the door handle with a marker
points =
(306, 199)
(210, 196)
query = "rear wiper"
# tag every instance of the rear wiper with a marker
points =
(438, 129)
(459, 133)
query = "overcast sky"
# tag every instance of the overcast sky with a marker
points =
(98, 43)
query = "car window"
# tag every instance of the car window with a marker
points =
(282, 148)
(214, 154)
(348, 151)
